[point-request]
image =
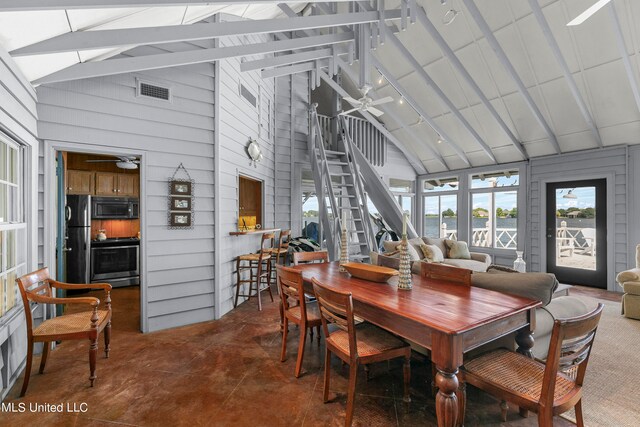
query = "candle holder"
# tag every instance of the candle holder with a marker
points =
(404, 281)
(344, 248)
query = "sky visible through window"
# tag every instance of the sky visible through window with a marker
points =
(585, 198)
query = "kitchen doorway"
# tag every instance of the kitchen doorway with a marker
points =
(98, 231)
(576, 232)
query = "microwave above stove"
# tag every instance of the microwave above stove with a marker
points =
(115, 208)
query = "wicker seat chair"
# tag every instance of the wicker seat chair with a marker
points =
(36, 287)
(549, 388)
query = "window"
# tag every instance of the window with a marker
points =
(441, 208)
(494, 210)
(13, 229)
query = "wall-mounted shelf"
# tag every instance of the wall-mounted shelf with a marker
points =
(260, 231)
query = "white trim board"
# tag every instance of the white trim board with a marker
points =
(50, 148)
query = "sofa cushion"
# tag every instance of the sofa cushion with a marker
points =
(457, 250)
(632, 275)
(431, 253)
(538, 286)
(437, 242)
(469, 264)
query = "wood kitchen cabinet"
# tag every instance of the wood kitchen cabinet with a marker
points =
(80, 182)
(116, 184)
(249, 200)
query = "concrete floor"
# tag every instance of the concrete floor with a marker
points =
(226, 373)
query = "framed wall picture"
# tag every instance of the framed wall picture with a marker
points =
(180, 188)
(179, 203)
(180, 219)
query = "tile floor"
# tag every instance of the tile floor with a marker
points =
(226, 373)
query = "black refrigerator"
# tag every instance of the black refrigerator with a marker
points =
(78, 238)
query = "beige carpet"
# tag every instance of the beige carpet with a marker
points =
(612, 384)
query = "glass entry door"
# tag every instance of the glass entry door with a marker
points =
(576, 232)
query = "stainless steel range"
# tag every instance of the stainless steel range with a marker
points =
(116, 261)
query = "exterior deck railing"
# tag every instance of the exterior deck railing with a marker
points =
(505, 238)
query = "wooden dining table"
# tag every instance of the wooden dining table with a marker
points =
(447, 318)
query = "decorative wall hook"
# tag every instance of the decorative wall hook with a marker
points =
(254, 152)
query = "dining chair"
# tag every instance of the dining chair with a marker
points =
(36, 287)
(258, 266)
(297, 310)
(549, 388)
(355, 344)
(448, 273)
(310, 257)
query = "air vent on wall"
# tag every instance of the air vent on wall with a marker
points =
(246, 94)
(150, 90)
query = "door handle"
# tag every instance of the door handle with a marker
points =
(67, 249)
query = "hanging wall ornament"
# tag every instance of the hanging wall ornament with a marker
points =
(181, 200)
(254, 152)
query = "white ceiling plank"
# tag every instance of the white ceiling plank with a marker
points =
(502, 57)
(432, 84)
(553, 44)
(417, 166)
(625, 55)
(150, 62)
(405, 94)
(100, 39)
(426, 23)
(31, 5)
(372, 93)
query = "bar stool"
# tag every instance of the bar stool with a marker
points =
(256, 264)
(280, 254)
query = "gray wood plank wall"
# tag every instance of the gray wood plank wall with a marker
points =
(18, 122)
(578, 166)
(106, 112)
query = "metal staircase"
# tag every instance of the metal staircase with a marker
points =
(344, 179)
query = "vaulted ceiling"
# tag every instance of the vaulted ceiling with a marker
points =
(505, 80)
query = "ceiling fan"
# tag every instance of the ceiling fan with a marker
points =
(123, 162)
(366, 103)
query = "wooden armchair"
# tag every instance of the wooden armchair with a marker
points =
(36, 287)
(549, 388)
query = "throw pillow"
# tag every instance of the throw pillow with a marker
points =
(438, 242)
(394, 246)
(432, 253)
(457, 250)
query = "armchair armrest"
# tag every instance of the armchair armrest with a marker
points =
(92, 301)
(62, 285)
(482, 257)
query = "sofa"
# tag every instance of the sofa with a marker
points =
(629, 281)
(476, 261)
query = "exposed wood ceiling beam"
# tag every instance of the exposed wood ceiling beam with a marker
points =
(32, 5)
(502, 57)
(372, 93)
(553, 44)
(414, 104)
(625, 55)
(164, 60)
(277, 61)
(291, 69)
(102, 39)
(417, 166)
(457, 64)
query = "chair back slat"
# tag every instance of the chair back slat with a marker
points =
(291, 289)
(265, 249)
(435, 271)
(310, 257)
(284, 239)
(36, 283)
(569, 350)
(336, 308)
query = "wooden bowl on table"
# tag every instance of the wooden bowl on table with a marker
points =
(373, 273)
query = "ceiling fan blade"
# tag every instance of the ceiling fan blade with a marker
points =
(102, 161)
(348, 111)
(375, 111)
(382, 100)
(352, 101)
